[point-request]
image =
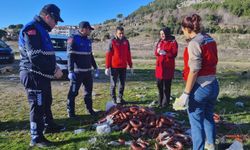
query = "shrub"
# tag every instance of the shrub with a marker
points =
(131, 33)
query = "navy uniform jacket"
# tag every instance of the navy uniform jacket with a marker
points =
(36, 50)
(80, 57)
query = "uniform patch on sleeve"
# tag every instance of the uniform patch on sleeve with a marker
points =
(70, 40)
(31, 32)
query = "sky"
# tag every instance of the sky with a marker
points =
(72, 11)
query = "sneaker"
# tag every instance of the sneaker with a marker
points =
(53, 128)
(41, 142)
(209, 146)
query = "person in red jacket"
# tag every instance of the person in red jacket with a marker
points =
(165, 52)
(118, 57)
(202, 89)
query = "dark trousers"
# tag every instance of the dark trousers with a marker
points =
(38, 90)
(164, 88)
(86, 80)
(115, 74)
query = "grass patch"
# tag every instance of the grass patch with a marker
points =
(140, 90)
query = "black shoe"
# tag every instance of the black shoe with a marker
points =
(163, 106)
(92, 112)
(41, 142)
(71, 115)
(114, 101)
(53, 128)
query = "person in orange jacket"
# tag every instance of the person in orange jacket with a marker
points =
(118, 57)
(165, 52)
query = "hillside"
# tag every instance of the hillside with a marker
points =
(142, 27)
(219, 16)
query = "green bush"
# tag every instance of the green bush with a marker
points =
(213, 19)
(209, 5)
(238, 8)
(109, 21)
(157, 5)
(131, 33)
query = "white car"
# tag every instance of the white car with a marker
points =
(60, 46)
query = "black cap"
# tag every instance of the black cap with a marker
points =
(85, 24)
(53, 11)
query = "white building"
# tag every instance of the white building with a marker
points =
(64, 30)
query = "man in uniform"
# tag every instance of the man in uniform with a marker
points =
(118, 56)
(80, 62)
(37, 68)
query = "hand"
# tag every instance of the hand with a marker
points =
(107, 71)
(96, 73)
(58, 73)
(181, 103)
(131, 71)
(72, 76)
(162, 52)
(158, 50)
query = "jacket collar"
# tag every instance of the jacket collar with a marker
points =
(43, 23)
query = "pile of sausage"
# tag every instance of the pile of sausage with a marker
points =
(143, 122)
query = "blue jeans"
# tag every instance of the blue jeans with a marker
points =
(200, 113)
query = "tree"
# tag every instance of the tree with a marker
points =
(171, 23)
(19, 26)
(119, 16)
(12, 26)
(109, 21)
(2, 33)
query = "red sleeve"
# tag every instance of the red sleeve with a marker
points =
(108, 59)
(109, 54)
(156, 47)
(174, 50)
(129, 59)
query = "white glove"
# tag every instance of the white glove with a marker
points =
(131, 71)
(107, 71)
(162, 52)
(181, 103)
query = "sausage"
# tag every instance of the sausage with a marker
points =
(135, 123)
(136, 146)
(172, 145)
(127, 128)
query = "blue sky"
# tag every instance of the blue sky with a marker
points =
(72, 11)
